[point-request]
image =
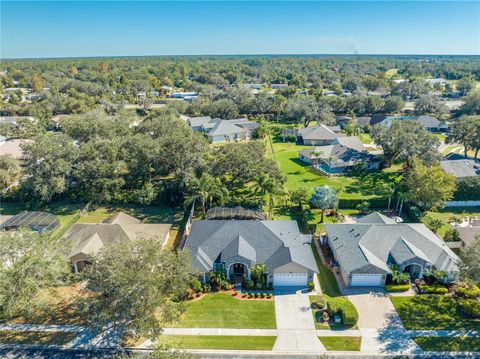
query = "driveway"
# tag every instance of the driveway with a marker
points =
(381, 327)
(295, 326)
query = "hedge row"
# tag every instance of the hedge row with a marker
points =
(342, 306)
(397, 287)
(432, 288)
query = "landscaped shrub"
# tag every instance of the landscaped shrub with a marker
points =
(432, 288)
(250, 284)
(311, 286)
(342, 306)
(325, 316)
(470, 307)
(196, 286)
(397, 287)
(207, 288)
(317, 302)
(433, 276)
(470, 292)
(269, 295)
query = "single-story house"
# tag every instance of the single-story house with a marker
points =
(236, 245)
(86, 239)
(364, 252)
(184, 94)
(461, 167)
(468, 234)
(343, 120)
(13, 120)
(318, 135)
(341, 155)
(428, 122)
(218, 130)
(364, 121)
(12, 148)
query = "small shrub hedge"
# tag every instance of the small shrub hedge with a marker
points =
(397, 287)
(432, 288)
(470, 307)
(317, 302)
(468, 292)
(342, 306)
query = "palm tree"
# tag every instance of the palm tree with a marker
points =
(401, 197)
(258, 273)
(217, 192)
(201, 189)
(261, 183)
(390, 191)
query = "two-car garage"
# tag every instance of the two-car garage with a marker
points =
(290, 280)
(367, 280)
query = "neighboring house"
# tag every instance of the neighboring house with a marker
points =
(468, 234)
(428, 122)
(343, 121)
(87, 239)
(13, 120)
(437, 82)
(364, 252)
(364, 121)
(184, 95)
(12, 148)
(278, 86)
(36, 221)
(341, 155)
(236, 245)
(58, 119)
(253, 86)
(318, 135)
(218, 130)
(461, 167)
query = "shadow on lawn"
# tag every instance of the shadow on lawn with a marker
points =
(372, 183)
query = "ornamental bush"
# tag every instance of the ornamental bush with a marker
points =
(342, 306)
(470, 307)
(317, 302)
(432, 288)
(470, 292)
(397, 287)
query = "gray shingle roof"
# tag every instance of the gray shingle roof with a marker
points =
(273, 243)
(376, 217)
(352, 142)
(363, 244)
(431, 122)
(319, 132)
(461, 168)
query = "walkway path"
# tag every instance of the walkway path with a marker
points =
(295, 325)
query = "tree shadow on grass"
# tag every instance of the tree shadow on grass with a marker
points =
(372, 183)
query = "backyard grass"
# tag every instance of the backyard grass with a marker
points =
(449, 344)
(341, 343)
(32, 337)
(432, 312)
(446, 215)
(219, 310)
(58, 307)
(218, 342)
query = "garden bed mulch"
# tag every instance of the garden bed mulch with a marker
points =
(234, 294)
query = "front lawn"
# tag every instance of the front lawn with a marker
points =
(341, 343)
(449, 344)
(219, 310)
(218, 342)
(429, 311)
(32, 337)
(327, 279)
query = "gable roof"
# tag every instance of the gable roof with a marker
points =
(431, 122)
(273, 243)
(399, 241)
(376, 217)
(319, 132)
(461, 168)
(352, 142)
(89, 238)
(336, 155)
(199, 121)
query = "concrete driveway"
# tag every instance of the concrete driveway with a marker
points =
(381, 328)
(296, 329)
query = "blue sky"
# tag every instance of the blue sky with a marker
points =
(121, 28)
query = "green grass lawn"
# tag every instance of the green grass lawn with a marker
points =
(219, 310)
(446, 215)
(299, 174)
(326, 277)
(449, 344)
(432, 312)
(218, 342)
(32, 337)
(341, 343)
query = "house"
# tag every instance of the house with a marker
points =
(58, 119)
(236, 245)
(35, 221)
(461, 167)
(343, 120)
(218, 130)
(364, 121)
(364, 252)
(318, 135)
(13, 120)
(12, 148)
(278, 86)
(86, 239)
(184, 95)
(253, 86)
(340, 156)
(428, 122)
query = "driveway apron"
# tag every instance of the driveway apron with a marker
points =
(296, 329)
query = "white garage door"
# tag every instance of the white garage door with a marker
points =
(289, 279)
(366, 280)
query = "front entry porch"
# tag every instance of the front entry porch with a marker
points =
(238, 270)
